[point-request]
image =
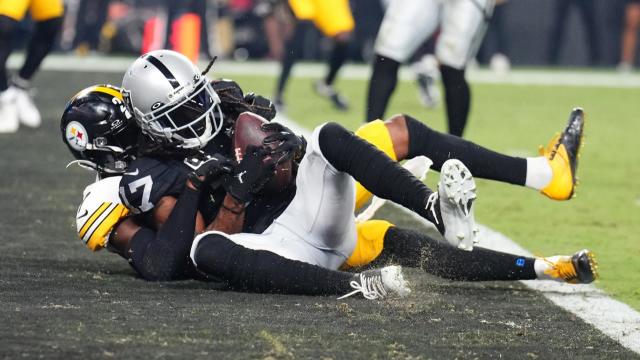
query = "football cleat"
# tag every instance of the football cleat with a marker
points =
(456, 196)
(379, 283)
(327, 91)
(581, 268)
(562, 154)
(428, 92)
(9, 122)
(28, 113)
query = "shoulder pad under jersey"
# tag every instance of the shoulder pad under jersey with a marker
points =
(147, 180)
(99, 212)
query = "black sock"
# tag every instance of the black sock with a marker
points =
(457, 97)
(337, 58)
(383, 81)
(413, 249)
(292, 53)
(7, 26)
(39, 46)
(374, 170)
(482, 162)
(264, 271)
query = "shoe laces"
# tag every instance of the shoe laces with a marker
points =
(370, 285)
(562, 269)
(431, 205)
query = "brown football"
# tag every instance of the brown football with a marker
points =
(248, 131)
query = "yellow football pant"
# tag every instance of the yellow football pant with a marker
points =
(332, 17)
(40, 9)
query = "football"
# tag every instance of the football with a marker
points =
(248, 131)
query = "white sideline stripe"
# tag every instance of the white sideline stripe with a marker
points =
(118, 64)
(612, 317)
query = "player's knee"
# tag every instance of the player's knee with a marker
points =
(209, 249)
(343, 37)
(7, 26)
(48, 28)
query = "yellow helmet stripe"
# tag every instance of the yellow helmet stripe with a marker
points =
(99, 88)
(108, 90)
(98, 238)
(96, 214)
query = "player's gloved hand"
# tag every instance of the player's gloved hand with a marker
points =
(251, 174)
(288, 144)
(261, 106)
(208, 169)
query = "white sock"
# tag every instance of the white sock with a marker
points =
(542, 265)
(539, 173)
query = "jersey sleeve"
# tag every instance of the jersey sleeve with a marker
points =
(148, 180)
(99, 213)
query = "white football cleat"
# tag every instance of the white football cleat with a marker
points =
(379, 283)
(9, 122)
(457, 193)
(28, 113)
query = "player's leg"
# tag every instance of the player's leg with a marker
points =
(405, 26)
(403, 137)
(630, 35)
(225, 257)
(414, 249)
(451, 214)
(334, 19)
(463, 26)
(47, 15)
(303, 11)
(11, 11)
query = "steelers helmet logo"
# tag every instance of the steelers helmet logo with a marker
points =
(76, 136)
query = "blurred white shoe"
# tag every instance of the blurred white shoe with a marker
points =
(427, 73)
(500, 64)
(9, 122)
(28, 113)
(625, 67)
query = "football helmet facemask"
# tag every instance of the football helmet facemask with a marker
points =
(171, 100)
(99, 130)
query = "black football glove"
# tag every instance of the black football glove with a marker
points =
(261, 106)
(251, 174)
(208, 169)
(288, 144)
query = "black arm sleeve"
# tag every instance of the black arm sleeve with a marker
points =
(266, 272)
(164, 255)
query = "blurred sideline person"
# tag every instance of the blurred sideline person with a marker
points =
(16, 104)
(406, 25)
(630, 35)
(151, 187)
(334, 19)
(559, 24)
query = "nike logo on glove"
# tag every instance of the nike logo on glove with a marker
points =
(240, 176)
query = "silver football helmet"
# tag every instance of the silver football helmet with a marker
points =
(171, 100)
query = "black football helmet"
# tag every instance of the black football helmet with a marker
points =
(99, 130)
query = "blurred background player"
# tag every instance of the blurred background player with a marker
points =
(630, 35)
(406, 25)
(334, 19)
(588, 17)
(16, 104)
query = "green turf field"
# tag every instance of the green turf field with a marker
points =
(605, 215)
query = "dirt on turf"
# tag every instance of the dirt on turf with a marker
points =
(59, 300)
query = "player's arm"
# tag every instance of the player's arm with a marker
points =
(234, 101)
(163, 254)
